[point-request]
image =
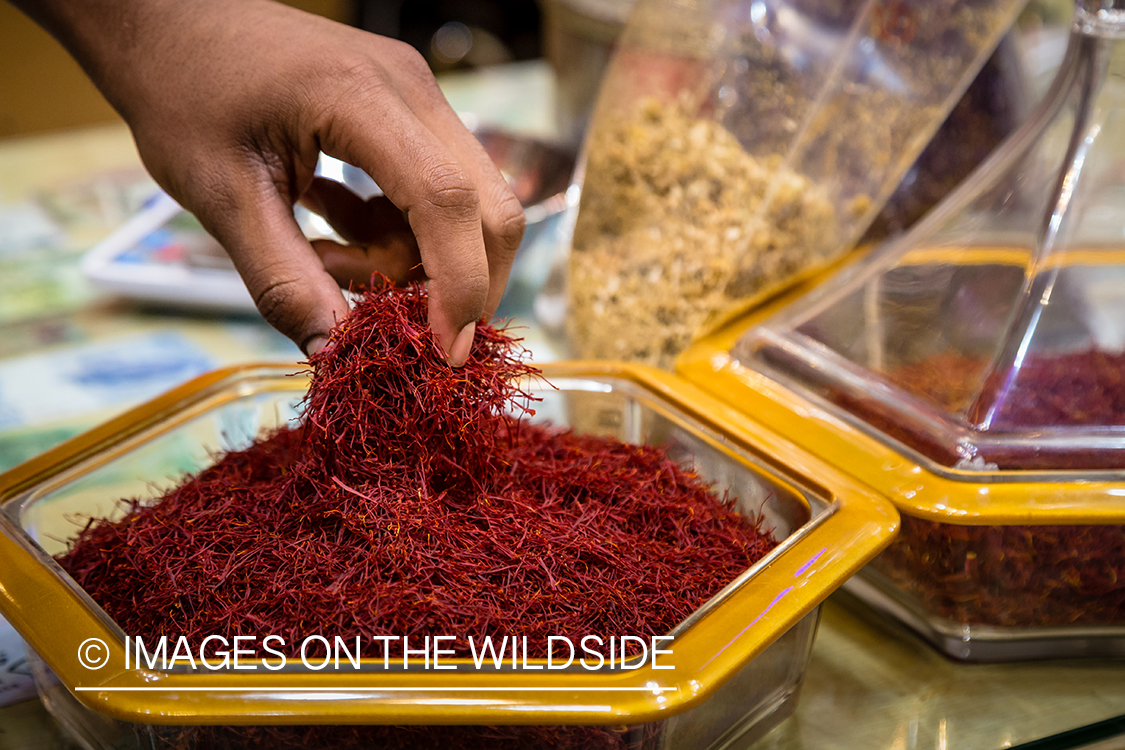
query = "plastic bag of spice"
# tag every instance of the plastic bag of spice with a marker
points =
(737, 145)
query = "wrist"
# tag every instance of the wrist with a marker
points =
(116, 41)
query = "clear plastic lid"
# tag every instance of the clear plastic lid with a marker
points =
(993, 334)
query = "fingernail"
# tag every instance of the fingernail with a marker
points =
(315, 344)
(462, 345)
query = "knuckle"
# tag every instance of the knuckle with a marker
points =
(348, 88)
(449, 190)
(464, 296)
(362, 85)
(473, 291)
(476, 286)
(279, 302)
(508, 224)
(410, 60)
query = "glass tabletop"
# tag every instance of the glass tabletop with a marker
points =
(1104, 735)
(872, 684)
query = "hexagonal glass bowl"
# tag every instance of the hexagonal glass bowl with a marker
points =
(737, 662)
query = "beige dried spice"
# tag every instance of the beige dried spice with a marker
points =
(671, 233)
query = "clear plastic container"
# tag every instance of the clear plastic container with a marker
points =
(737, 145)
(738, 660)
(980, 363)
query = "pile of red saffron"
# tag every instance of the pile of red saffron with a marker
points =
(416, 499)
(1072, 390)
(430, 737)
(1011, 576)
(1015, 576)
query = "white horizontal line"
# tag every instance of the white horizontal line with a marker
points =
(265, 689)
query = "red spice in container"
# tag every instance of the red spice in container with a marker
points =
(1015, 576)
(1011, 576)
(398, 738)
(416, 500)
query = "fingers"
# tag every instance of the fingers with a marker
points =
(382, 136)
(379, 237)
(352, 267)
(284, 275)
(358, 221)
(502, 216)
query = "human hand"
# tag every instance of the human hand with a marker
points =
(230, 103)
